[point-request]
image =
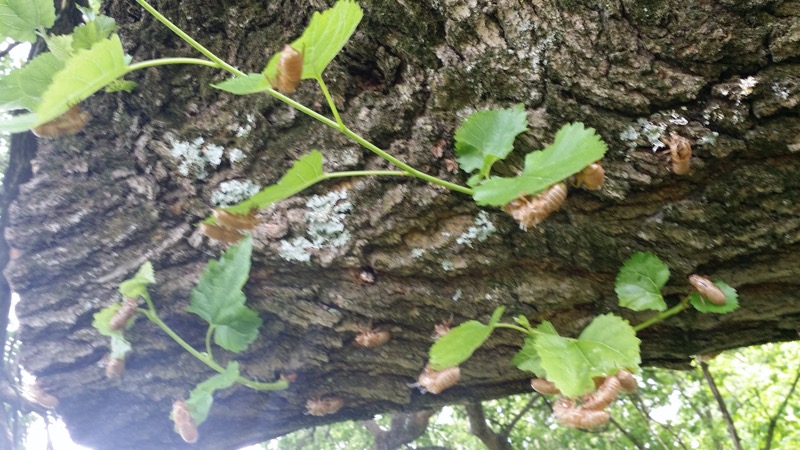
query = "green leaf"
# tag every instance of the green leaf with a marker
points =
(607, 345)
(92, 32)
(137, 285)
(119, 347)
(488, 136)
(639, 283)
(219, 300)
(323, 39)
(20, 19)
(202, 396)
(305, 172)
(459, 343)
(528, 358)
(24, 87)
(573, 148)
(19, 123)
(103, 318)
(249, 84)
(60, 46)
(705, 306)
(84, 74)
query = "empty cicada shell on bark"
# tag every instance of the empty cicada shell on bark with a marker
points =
(531, 210)
(573, 416)
(544, 386)
(436, 381)
(124, 314)
(70, 122)
(221, 234)
(184, 424)
(680, 152)
(592, 176)
(372, 337)
(440, 329)
(707, 289)
(115, 367)
(317, 406)
(239, 222)
(290, 70)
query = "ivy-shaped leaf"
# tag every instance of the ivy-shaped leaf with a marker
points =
(20, 19)
(606, 346)
(202, 396)
(705, 306)
(527, 358)
(323, 39)
(60, 46)
(84, 74)
(305, 172)
(137, 285)
(92, 32)
(639, 283)
(487, 137)
(573, 148)
(249, 84)
(24, 87)
(102, 323)
(119, 347)
(460, 343)
(219, 300)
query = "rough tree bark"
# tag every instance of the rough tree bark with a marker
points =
(104, 201)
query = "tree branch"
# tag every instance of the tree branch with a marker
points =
(721, 404)
(633, 440)
(479, 428)
(506, 430)
(774, 420)
(405, 428)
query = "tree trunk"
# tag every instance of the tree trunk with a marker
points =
(103, 202)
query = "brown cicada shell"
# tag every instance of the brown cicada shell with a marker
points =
(627, 381)
(436, 381)
(317, 406)
(708, 289)
(372, 337)
(603, 396)
(238, 222)
(592, 176)
(115, 367)
(221, 234)
(70, 122)
(573, 416)
(290, 70)
(680, 152)
(124, 314)
(544, 386)
(531, 210)
(184, 424)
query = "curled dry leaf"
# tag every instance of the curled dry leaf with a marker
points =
(124, 314)
(544, 386)
(436, 381)
(290, 69)
(372, 337)
(573, 416)
(680, 151)
(592, 176)
(70, 122)
(221, 234)
(115, 367)
(184, 424)
(531, 210)
(317, 406)
(708, 289)
(41, 397)
(236, 222)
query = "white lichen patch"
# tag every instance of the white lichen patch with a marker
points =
(195, 156)
(746, 86)
(457, 295)
(233, 191)
(652, 132)
(481, 229)
(780, 91)
(447, 265)
(235, 155)
(244, 130)
(325, 227)
(417, 253)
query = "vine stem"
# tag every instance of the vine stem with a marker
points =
(511, 327)
(208, 342)
(337, 124)
(684, 304)
(169, 61)
(365, 173)
(152, 316)
(331, 103)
